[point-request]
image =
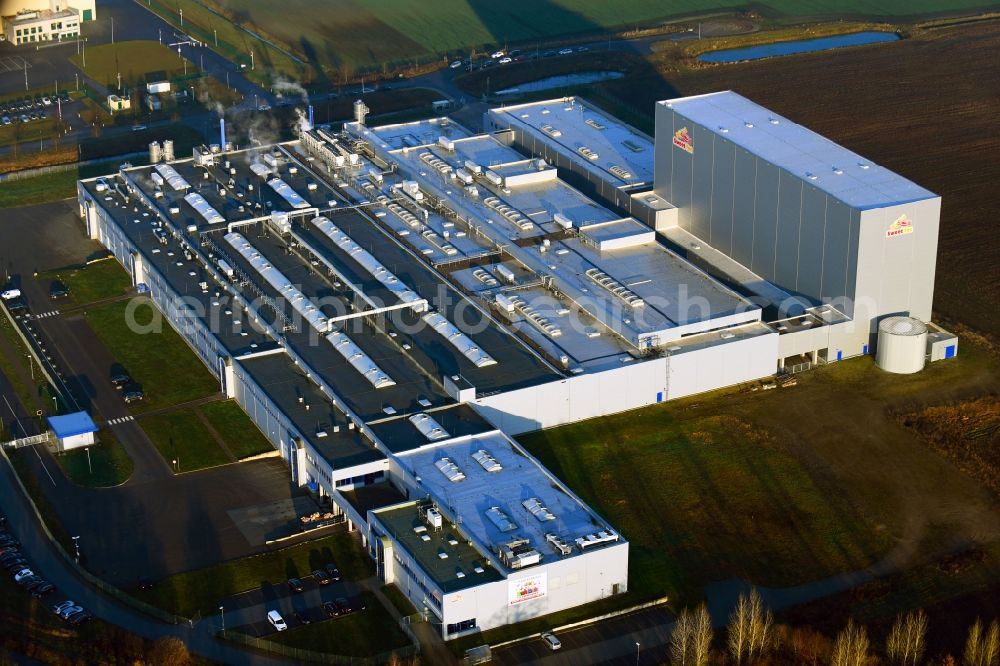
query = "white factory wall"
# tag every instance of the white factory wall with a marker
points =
(568, 582)
(585, 396)
(718, 366)
(896, 270)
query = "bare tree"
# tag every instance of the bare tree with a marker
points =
(751, 628)
(680, 640)
(906, 641)
(982, 647)
(701, 637)
(691, 638)
(761, 626)
(851, 646)
(738, 632)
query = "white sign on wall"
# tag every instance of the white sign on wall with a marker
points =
(526, 589)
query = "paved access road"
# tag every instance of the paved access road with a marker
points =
(48, 562)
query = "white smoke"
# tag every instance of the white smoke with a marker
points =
(302, 123)
(282, 88)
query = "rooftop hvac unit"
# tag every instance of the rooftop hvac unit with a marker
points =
(434, 518)
(488, 462)
(563, 221)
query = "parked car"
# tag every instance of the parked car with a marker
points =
(57, 608)
(302, 617)
(43, 589)
(132, 394)
(343, 604)
(78, 617)
(120, 380)
(22, 574)
(16, 565)
(66, 612)
(551, 641)
(334, 572)
(322, 577)
(295, 585)
(565, 51)
(456, 64)
(504, 61)
(331, 609)
(497, 54)
(278, 622)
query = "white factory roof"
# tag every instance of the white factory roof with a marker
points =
(824, 164)
(499, 494)
(623, 154)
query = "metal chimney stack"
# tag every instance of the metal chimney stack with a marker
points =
(222, 133)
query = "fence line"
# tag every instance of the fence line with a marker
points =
(302, 655)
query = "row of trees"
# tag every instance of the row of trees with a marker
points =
(753, 638)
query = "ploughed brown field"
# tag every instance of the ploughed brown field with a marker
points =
(925, 107)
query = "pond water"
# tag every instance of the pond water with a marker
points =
(561, 82)
(798, 46)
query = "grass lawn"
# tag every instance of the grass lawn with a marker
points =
(40, 189)
(224, 36)
(187, 379)
(134, 60)
(93, 282)
(54, 186)
(180, 436)
(242, 437)
(705, 499)
(361, 634)
(202, 590)
(110, 463)
(32, 131)
(398, 600)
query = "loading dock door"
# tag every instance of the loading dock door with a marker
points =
(949, 351)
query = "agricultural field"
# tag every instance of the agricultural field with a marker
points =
(355, 35)
(783, 487)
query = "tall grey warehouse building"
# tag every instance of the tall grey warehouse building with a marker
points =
(391, 304)
(813, 218)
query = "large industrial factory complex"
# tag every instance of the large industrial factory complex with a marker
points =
(391, 304)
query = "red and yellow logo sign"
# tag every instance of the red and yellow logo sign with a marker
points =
(900, 227)
(683, 140)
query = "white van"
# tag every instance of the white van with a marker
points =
(10, 294)
(278, 622)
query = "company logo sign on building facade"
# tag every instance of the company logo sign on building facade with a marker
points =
(900, 227)
(683, 140)
(526, 589)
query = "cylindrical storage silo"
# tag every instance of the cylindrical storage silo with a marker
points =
(168, 150)
(155, 154)
(902, 345)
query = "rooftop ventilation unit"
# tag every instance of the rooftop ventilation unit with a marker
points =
(620, 172)
(500, 519)
(593, 123)
(433, 517)
(559, 544)
(588, 153)
(428, 427)
(551, 131)
(596, 539)
(633, 146)
(450, 470)
(174, 179)
(518, 554)
(538, 510)
(488, 462)
(287, 193)
(615, 287)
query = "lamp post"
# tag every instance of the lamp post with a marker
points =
(222, 618)
(251, 60)
(76, 545)
(637, 653)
